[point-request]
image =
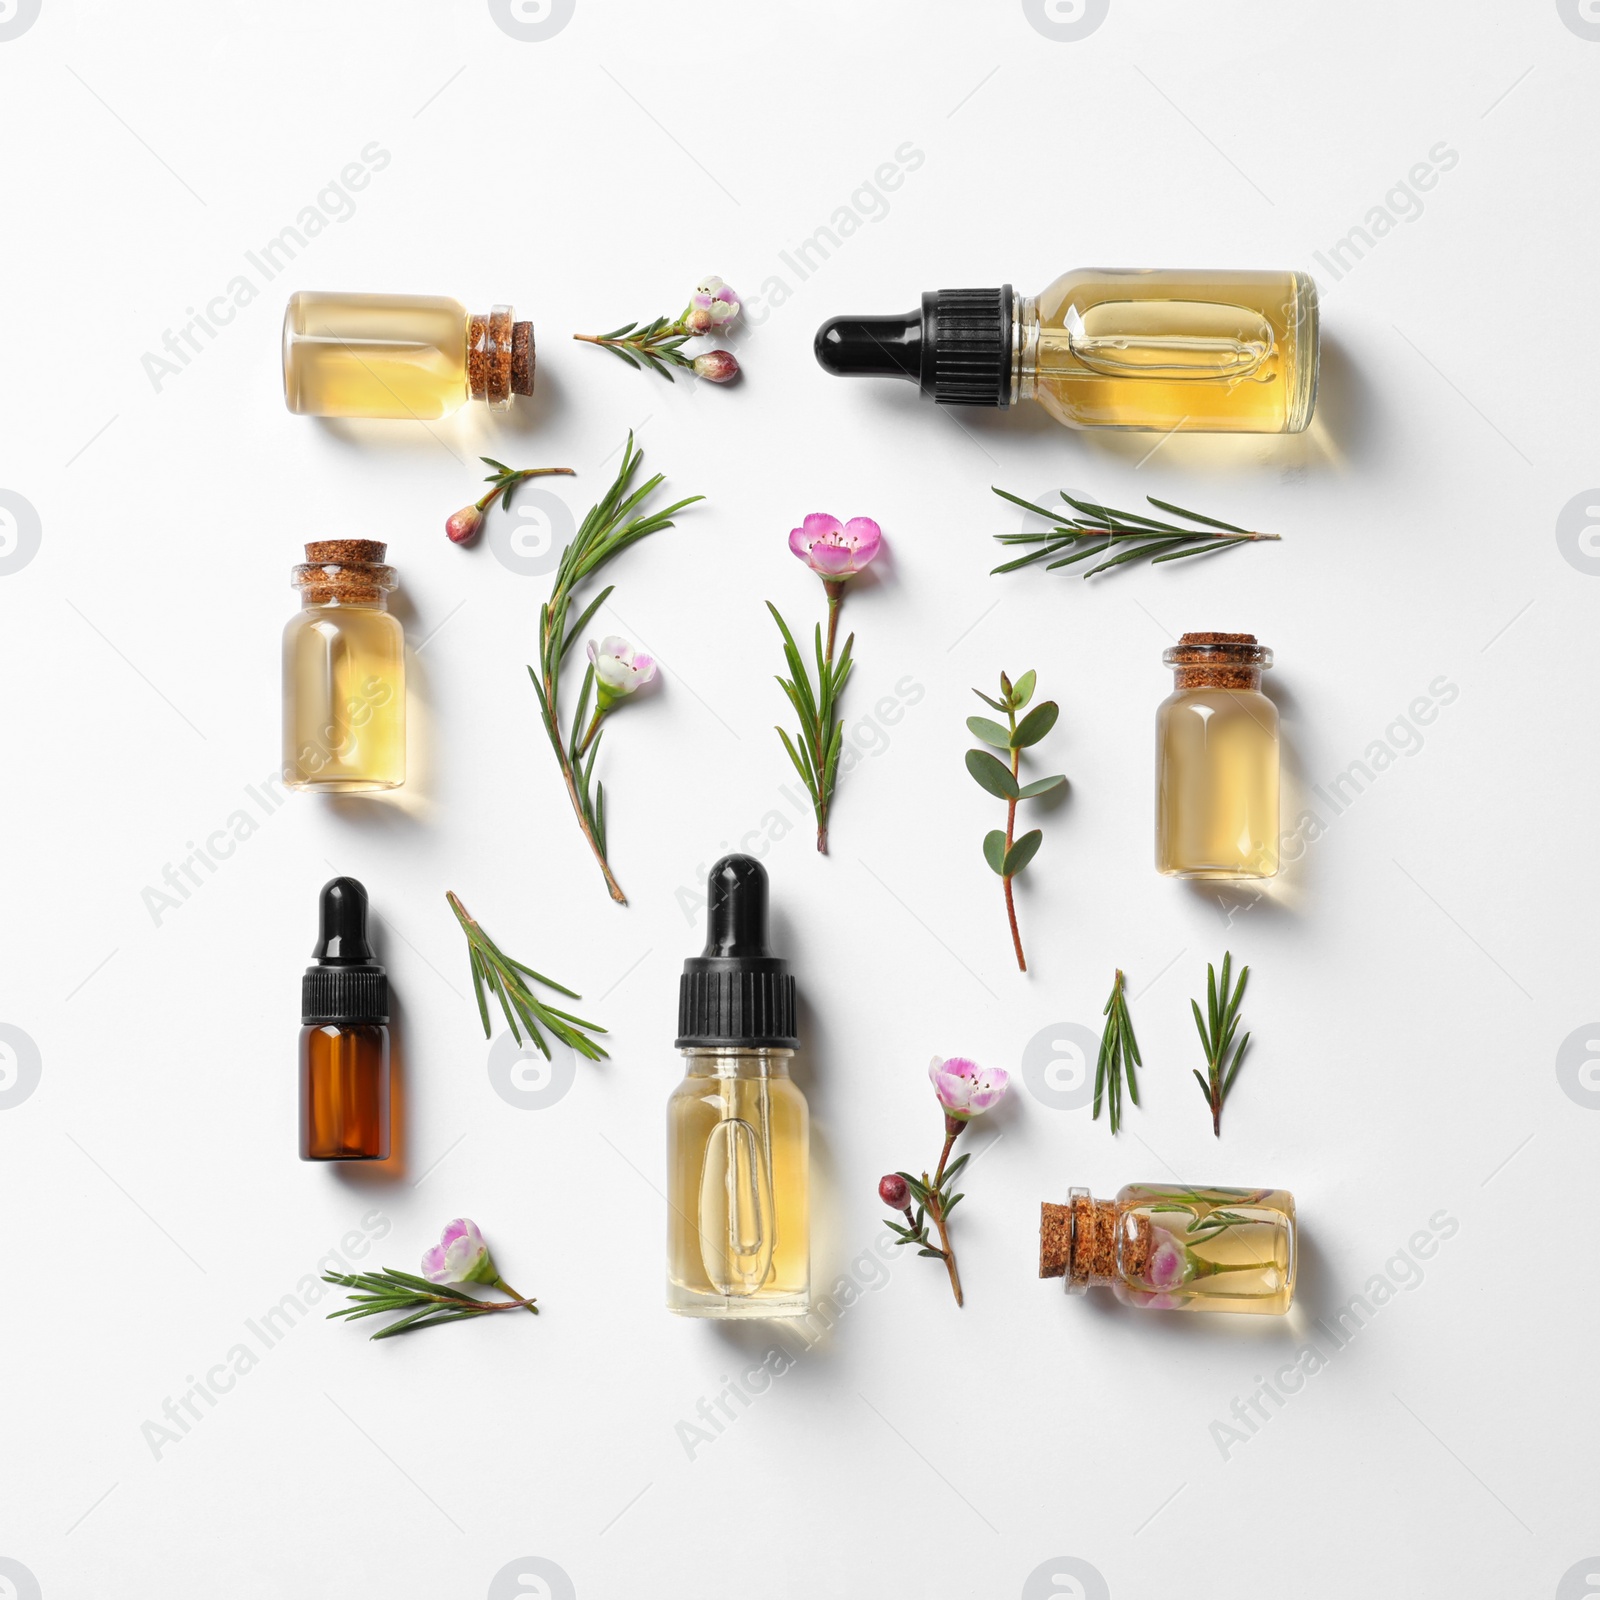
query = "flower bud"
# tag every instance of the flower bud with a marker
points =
(699, 322)
(894, 1191)
(716, 365)
(460, 527)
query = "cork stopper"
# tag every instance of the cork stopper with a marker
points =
(345, 572)
(1217, 661)
(1089, 1241)
(499, 357)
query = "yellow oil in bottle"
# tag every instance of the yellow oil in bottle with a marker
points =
(1208, 1249)
(1217, 761)
(738, 1228)
(1207, 352)
(375, 355)
(344, 673)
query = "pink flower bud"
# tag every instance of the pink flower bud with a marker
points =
(699, 322)
(463, 525)
(894, 1191)
(716, 365)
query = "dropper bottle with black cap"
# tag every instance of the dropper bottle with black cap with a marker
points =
(344, 1037)
(738, 1134)
(1190, 352)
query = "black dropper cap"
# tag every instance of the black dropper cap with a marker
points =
(956, 347)
(736, 994)
(344, 982)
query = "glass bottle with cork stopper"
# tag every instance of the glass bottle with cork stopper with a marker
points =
(1162, 1247)
(344, 673)
(400, 356)
(738, 1161)
(1217, 759)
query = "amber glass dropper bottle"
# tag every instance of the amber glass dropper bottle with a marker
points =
(344, 1037)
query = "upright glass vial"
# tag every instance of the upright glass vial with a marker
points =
(738, 1225)
(1217, 761)
(403, 356)
(1165, 1248)
(344, 673)
(1196, 352)
(344, 1037)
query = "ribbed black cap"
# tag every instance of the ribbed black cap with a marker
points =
(956, 346)
(736, 993)
(344, 983)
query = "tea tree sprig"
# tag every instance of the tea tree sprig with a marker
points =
(1006, 854)
(495, 972)
(421, 1304)
(460, 526)
(658, 345)
(613, 524)
(1119, 1056)
(1217, 1029)
(1121, 536)
(814, 750)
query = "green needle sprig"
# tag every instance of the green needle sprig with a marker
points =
(506, 979)
(503, 480)
(1120, 536)
(1217, 1029)
(1119, 1056)
(657, 345)
(1006, 854)
(815, 748)
(421, 1304)
(610, 527)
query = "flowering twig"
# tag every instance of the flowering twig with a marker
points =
(495, 971)
(964, 1091)
(461, 1256)
(1008, 855)
(610, 527)
(836, 552)
(658, 345)
(461, 525)
(1222, 1008)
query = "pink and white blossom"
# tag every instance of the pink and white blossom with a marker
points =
(964, 1088)
(835, 549)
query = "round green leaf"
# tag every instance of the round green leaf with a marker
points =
(992, 775)
(1031, 791)
(1021, 853)
(990, 732)
(1023, 692)
(1035, 725)
(994, 848)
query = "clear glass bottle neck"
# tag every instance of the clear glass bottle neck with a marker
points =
(736, 1063)
(1024, 347)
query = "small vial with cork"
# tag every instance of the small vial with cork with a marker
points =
(738, 1132)
(1217, 761)
(344, 673)
(400, 356)
(344, 1036)
(1162, 1247)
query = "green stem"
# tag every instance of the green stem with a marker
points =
(952, 1132)
(594, 728)
(517, 477)
(506, 1289)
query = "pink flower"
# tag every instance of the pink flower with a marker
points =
(716, 366)
(833, 549)
(460, 1256)
(618, 669)
(460, 527)
(716, 300)
(1169, 1262)
(964, 1088)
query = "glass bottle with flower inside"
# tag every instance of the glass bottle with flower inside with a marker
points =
(1163, 1247)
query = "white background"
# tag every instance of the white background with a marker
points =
(1414, 973)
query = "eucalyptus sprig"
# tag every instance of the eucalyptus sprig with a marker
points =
(610, 527)
(1099, 530)
(1222, 1015)
(506, 979)
(422, 1304)
(1008, 855)
(1119, 1056)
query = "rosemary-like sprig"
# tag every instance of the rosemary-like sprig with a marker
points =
(657, 345)
(815, 749)
(503, 480)
(610, 527)
(1007, 855)
(1119, 1055)
(496, 972)
(1097, 530)
(1217, 1029)
(422, 1304)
